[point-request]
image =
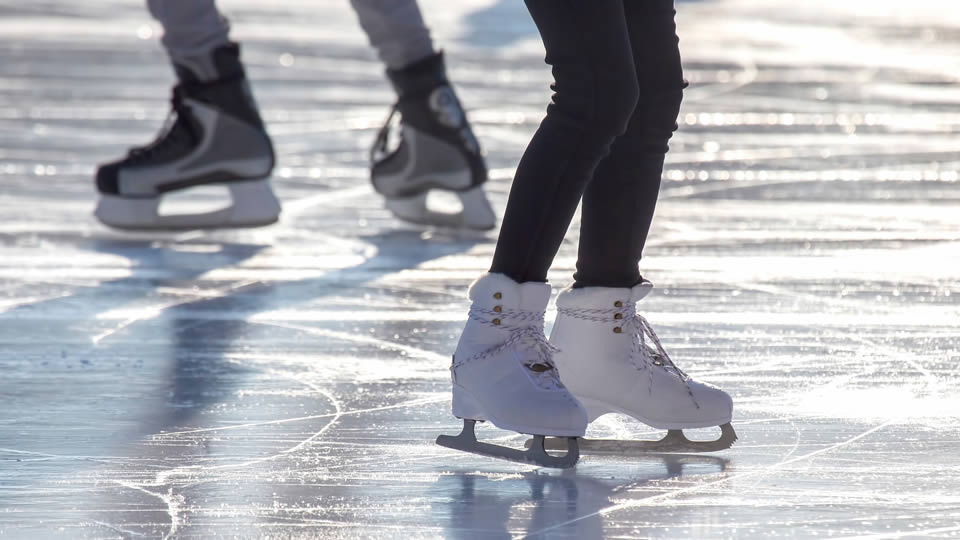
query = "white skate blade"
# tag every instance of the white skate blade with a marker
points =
(536, 453)
(476, 214)
(253, 205)
(674, 442)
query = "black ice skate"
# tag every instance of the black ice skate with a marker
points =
(214, 135)
(437, 151)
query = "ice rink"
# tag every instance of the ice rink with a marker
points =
(289, 382)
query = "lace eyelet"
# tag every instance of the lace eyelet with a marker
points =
(617, 330)
(618, 303)
(497, 295)
(496, 322)
(618, 316)
(497, 309)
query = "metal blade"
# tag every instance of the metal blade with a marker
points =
(674, 442)
(535, 454)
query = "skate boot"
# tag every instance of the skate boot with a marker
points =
(503, 373)
(436, 151)
(613, 362)
(214, 135)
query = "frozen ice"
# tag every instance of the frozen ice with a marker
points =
(290, 381)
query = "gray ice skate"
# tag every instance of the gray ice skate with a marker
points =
(214, 135)
(436, 151)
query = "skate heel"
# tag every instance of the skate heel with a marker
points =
(465, 407)
(127, 212)
(595, 409)
(254, 203)
(477, 212)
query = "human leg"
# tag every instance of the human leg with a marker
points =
(595, 92)
(396, 29)
(503, 371)
(619, 202)
(610, 357)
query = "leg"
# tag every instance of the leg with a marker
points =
(437, 148)
(618, 204)
(503, 369)
(191, 30)
(396, 30)
(595, 92)
(610, 357)
(214, 136)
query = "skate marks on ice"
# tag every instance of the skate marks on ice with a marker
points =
(530, 504)
(223, 374)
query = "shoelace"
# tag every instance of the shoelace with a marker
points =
(543, 368)
(379, 149)
(174, 129)
(639, 329)
(641, 355)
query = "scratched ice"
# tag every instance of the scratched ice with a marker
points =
(289, 382)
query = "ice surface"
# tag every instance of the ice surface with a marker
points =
(290, 381)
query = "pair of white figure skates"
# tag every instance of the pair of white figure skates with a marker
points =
(602, 357)
(215, 136)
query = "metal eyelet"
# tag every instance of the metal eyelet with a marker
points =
(617, 330)
(618, 304)
(497, 309)
(657, 362)
(496, 322)
(497, 295)
(618, 316)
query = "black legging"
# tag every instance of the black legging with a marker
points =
(617, 92)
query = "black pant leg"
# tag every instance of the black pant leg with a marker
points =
(619, 202)
(595, 92)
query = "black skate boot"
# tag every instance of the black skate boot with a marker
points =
(437, 150)
(214, 135)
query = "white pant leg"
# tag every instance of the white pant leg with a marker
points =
(191, 28)
(396, 29)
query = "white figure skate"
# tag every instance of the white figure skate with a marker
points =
(214, 135)
(613, 362)
(503, 373)
(437, 151)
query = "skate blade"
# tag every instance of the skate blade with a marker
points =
(253, 205)
(535, 454)
(674, 442)
(476, 214)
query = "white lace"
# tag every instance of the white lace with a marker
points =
(643, 357)
(530, 335)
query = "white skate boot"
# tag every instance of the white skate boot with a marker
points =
(214, 135)
(437, 151)
(613, 362)
(503, 372)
